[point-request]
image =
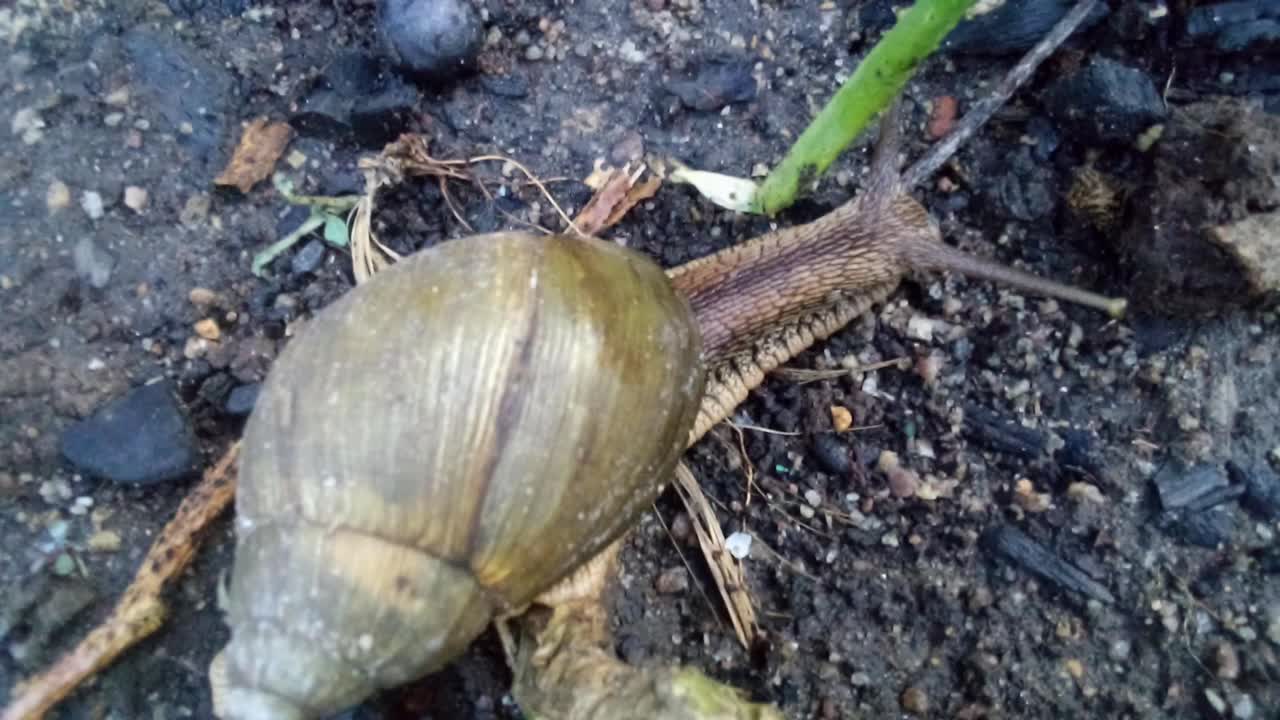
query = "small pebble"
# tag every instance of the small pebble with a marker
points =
(433, 38)
(118, 97)
(841, 418)
(1242, 707)
(1227, 661)
(1119, 650)
(920, 328)
(1086, 492)
(942, 118)
(104, 541)
(1028, 499)
(681, 527)
(739, 545)
(202, 296)
(831, 454)
(1074, 668)
(673, 580)
(91, 202)
(135, 198)
(309, 258)
(195, 347)
(57, 197)
(630, 53)
(93, 264)
(208, 329)
(915, 701)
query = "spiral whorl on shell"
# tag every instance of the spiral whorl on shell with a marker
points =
(441, 444)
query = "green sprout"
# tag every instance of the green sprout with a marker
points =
(329, 213)
(874, 85)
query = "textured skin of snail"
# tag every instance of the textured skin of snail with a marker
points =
(439, 446)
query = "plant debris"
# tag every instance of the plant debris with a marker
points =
(261, 145)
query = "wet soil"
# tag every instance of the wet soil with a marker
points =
(871, 604)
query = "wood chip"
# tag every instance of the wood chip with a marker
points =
(255, 157)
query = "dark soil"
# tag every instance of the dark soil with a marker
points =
(870, 603)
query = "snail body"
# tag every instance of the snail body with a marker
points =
(439, 446)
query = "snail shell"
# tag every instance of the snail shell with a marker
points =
(439, 446)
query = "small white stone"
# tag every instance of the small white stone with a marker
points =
(739, 545)
(1242, 708)
(813, 497)
(96, 364)
(92, 204)
(58, 196)
(135, 198)
(920, 328)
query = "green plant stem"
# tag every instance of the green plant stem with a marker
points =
(876, 83)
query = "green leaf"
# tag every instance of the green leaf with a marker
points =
(335, 230)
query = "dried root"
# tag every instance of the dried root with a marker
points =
(564, 667)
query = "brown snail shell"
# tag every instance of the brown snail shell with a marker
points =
(440, 445)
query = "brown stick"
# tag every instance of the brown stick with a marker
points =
(140, 611)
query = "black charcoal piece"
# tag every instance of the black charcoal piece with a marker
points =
(1022, 550)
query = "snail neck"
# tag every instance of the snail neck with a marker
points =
(742, 293)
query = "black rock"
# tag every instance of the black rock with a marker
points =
(1002, 434)
(184, 88)
(1261, 488)
(308, 258)
(1014, 27)
(142, 438)
(1023, 190)
(1105, 102)
(831, 454)
(1022, 550)
(356, 95)
(433, 39)
(1255, 36)
(242, 398)
(292, 220)
(1041, 130)
(1209, 528)
(213, 391)
(1080, 452)
(1233, 27)
(1181, 487)
(719, 82)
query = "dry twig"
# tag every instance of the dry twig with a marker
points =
(725, 568)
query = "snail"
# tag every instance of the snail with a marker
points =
(452, 438)
(441, 445)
